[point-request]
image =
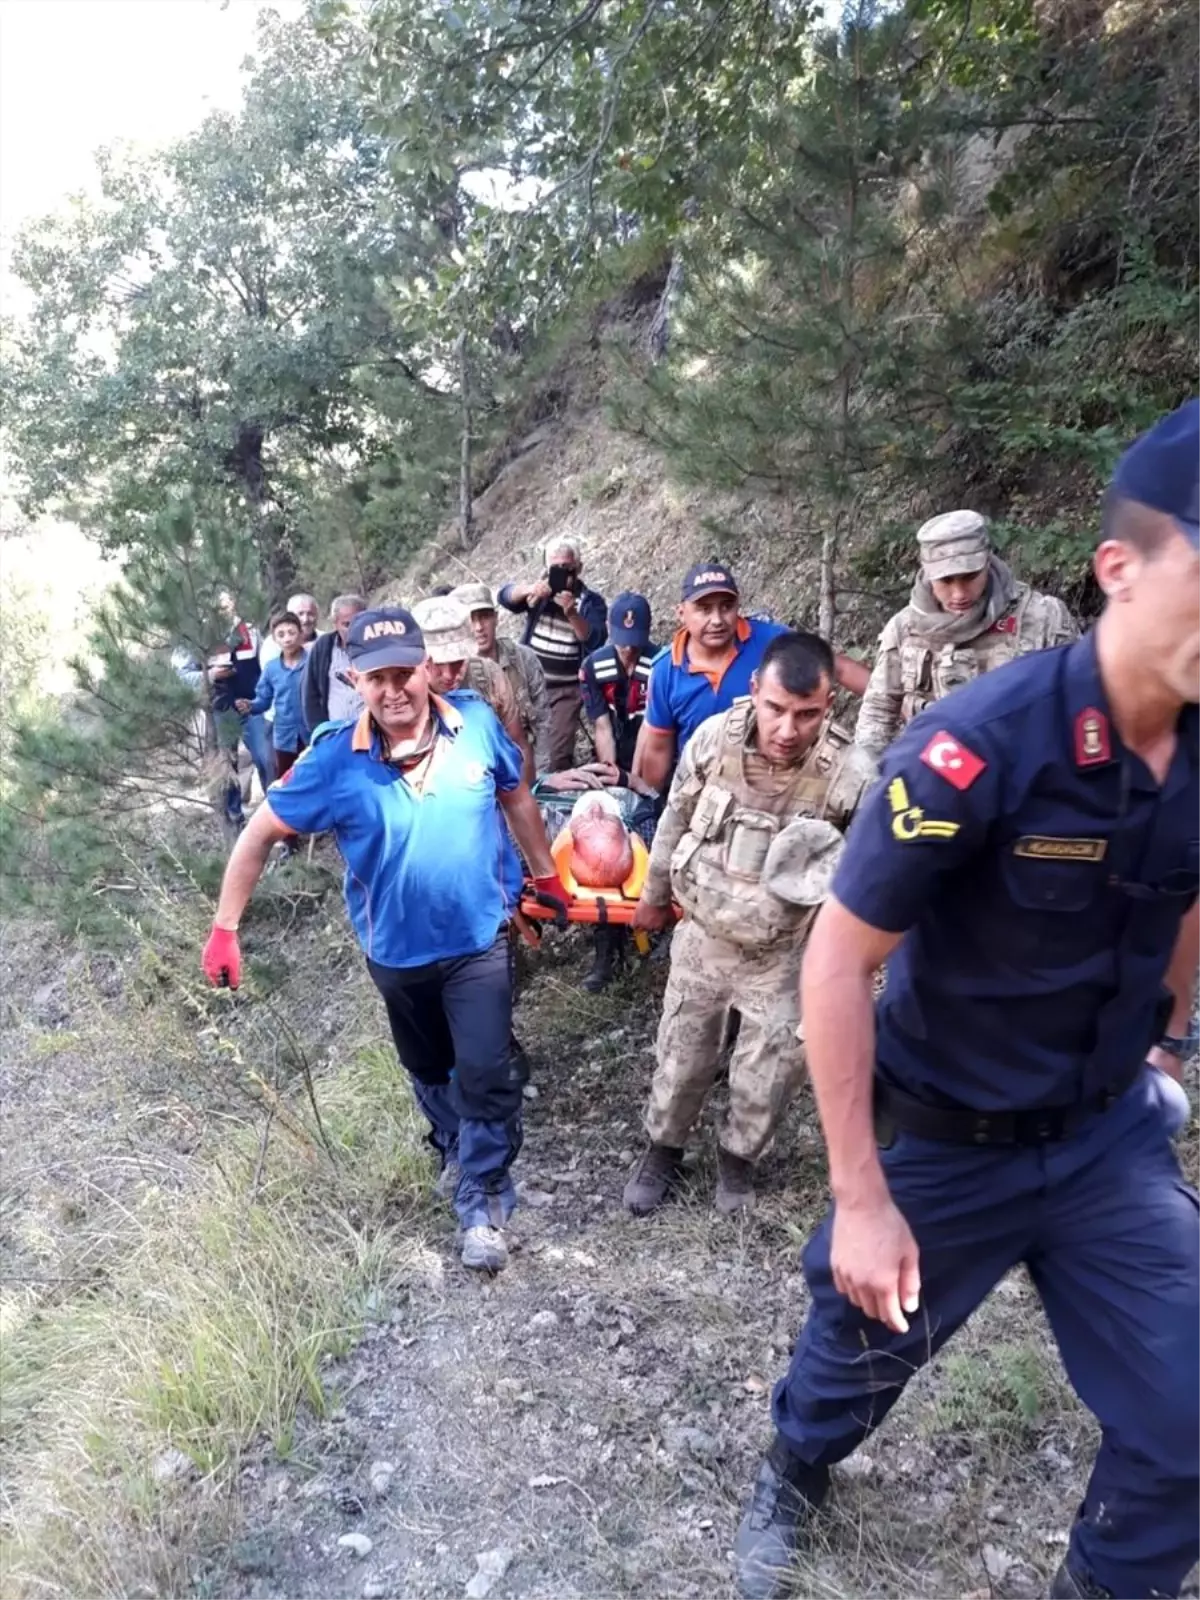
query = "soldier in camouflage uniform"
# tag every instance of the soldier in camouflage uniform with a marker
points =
(967, 614)
(747, 846)
(518, 663)
(453, 664)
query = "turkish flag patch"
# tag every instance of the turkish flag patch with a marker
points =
(951, 760)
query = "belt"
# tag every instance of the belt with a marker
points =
(959, 1125)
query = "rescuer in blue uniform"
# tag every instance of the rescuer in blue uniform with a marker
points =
(410, 791)
(1027, 866)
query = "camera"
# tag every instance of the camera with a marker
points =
(560, 579)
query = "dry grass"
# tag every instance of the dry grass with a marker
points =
(185, 1251)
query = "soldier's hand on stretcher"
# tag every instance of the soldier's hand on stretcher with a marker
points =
(652, 919)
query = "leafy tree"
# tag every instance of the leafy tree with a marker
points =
(214, 323)
(796, 365)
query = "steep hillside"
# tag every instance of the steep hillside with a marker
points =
(574, 474)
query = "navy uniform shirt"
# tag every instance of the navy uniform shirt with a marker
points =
(609, 691)
(1039, 874)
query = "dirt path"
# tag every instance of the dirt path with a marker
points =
(592, 1417)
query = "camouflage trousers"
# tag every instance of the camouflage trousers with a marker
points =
(708, 977)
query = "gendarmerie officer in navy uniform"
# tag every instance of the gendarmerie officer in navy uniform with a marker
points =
(1027, 866)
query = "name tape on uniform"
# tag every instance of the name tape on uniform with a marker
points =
(950, 759)
(909, 822)
(1040, 847)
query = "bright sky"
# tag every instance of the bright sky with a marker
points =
(78, 74)
(75, 75)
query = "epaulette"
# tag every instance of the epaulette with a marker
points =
(324, 729)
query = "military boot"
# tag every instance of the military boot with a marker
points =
(1068, 1585)
(653, 1177)
(735, 1183)
(786, 1494)
(608, 950)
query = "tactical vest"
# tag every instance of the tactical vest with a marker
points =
(716, 869)
(929, 672)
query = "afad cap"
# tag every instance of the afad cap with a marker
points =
(708, 577)
(385, 638)
(1162, 469)
(954, 544)
(629, 620)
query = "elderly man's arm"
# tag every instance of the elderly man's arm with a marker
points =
(591, 608)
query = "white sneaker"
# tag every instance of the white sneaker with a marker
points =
(484, 1249)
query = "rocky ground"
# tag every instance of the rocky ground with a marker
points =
(585, 1425)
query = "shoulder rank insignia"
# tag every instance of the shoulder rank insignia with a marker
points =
(909, 822)
(1093, 744)
(951, 759)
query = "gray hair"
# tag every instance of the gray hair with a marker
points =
(301, 595)
(570, 546)
(347, 602)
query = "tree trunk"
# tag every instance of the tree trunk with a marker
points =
(836, 524)
(827, 585)
(465, 513)
(659, 337)
(276, 557)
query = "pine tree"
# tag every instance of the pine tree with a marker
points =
(794, 364)
(86, 792)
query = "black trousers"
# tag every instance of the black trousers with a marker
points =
(452, 1022)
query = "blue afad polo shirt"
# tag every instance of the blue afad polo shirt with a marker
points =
(683, 696)
(1039, 874)
(424, 870)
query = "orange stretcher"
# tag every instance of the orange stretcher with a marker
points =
(596, 907)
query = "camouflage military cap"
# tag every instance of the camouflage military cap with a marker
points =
(801, 862)
(475, 596)
(447, 628)
(954, 544)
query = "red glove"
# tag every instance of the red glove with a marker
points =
(222, 958)
(554, 887)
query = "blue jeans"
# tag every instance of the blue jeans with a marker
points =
(452, 1022)
(256, 736)
(1107, 1229)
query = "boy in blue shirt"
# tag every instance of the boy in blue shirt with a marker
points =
(279, 685)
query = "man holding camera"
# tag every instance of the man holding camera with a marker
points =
(564, 622)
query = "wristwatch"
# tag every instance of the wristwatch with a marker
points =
(1175, 1046)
